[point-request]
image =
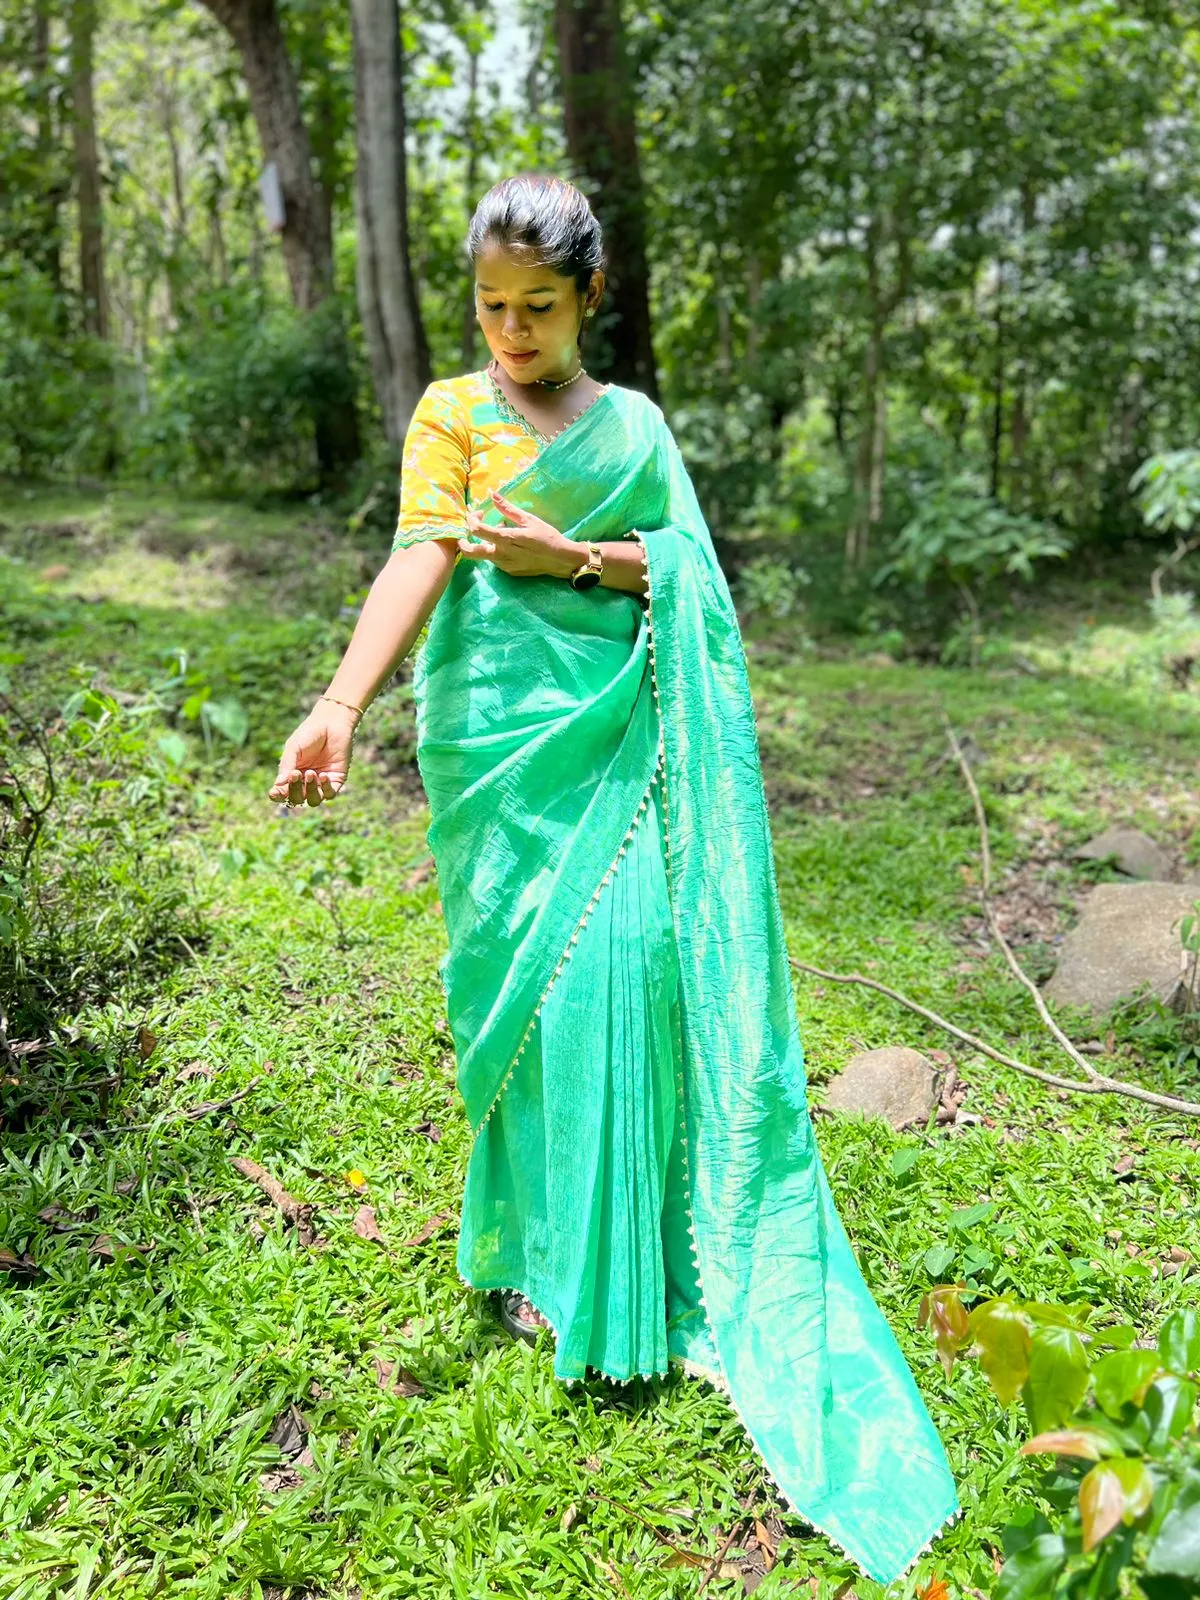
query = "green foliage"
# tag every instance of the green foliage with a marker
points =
(1168, 490)
(56, 386)
(1121, 1429)
(91, 889)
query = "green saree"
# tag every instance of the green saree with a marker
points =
(618, 989)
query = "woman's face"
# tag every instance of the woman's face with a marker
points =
(531, 315)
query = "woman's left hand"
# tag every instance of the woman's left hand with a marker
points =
(530, 548)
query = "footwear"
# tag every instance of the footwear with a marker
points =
(520, 1318)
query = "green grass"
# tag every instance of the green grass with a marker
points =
(138, 1386)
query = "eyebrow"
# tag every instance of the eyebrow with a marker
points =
(541, 289)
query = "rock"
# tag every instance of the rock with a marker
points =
(1127, 937)
(1192, 876)
(1134, 852)
(895, 1083)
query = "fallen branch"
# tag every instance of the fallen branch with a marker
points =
(1093, 1082)
(298, 1214)
(186, 1114)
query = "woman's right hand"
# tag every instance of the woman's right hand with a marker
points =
(316, 759)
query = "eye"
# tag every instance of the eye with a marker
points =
(488, 306)
(537, 310)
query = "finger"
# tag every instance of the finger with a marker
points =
(296, 789)
(507, 509)
(469, 547)
(328, 785)
(312, 791)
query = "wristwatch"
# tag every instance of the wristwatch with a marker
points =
(589, 574)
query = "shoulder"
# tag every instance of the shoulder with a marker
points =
(638, 407)
(448, 402)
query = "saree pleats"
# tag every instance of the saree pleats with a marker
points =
(582, 1237)
(644, 1165)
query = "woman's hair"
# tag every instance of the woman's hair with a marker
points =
(545, 218)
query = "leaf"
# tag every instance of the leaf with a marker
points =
(394, 1379)
(195, 1069)
(427, 1231)
(1058, 1377)
(1179, 1341)
(1002, 1335)
(1123, 1376)
(1111, 1493)
(1030, 1573)
(904, 1160)
(939, 1258)
(1176, 1550)
(1168, 1406)
(146, 1041)
(947, 1316)
(968, 1216)
(366, 1227)
(1086, 1443)
(300, 1216)
(429, 1130)
(289, 1431)
(22, 1266)
(228, 717)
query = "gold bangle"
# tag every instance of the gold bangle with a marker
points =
(338, 702)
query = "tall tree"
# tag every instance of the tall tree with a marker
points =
(599, 113)
(387, 294)
(307, 234)
(87, 169)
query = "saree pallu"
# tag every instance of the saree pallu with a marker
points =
(616, 951)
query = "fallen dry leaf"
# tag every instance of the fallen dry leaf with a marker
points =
(424, 1234)
(300, 1216)
(22, 1266)
(420, 873)
(1124, 1166)
(429, 1130)
(146, 1041)
(106, 1248)
(195, 1069)
(289, 1431)
(366, 1227)
(393, 1379)
(568, 1519)
(55, 573)
(28, 1047)
(765, 1543)
(127, 1185)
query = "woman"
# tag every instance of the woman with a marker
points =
(643, 1171)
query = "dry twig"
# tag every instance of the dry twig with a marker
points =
(1093, 1082)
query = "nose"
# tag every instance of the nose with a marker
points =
(514, 324)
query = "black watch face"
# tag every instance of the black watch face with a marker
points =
(586, 580)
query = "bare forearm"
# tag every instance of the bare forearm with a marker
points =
(624, 567)
(393, 614)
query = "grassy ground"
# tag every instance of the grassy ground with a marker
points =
(163, 1320)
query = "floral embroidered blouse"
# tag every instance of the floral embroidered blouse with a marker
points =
(464, 440)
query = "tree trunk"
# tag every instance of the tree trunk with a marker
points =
(471, 139)
(87, 170)
(307, 235)
(387, 295)
(47, 243)
(601, 130)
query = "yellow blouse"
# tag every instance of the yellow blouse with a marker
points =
(464, 440)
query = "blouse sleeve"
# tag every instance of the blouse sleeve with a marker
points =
(433, 471)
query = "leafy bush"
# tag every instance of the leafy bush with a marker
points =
(1125, 1485)
(91, 885)
(231, 394)
(965, 539)
(56, 393)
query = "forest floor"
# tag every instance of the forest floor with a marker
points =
(203, 1396)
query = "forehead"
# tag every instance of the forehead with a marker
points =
(502, 272)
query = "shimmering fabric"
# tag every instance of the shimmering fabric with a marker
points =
(551, 727)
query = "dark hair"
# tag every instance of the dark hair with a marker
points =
(546, 218)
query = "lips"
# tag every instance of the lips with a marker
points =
(520, 355)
